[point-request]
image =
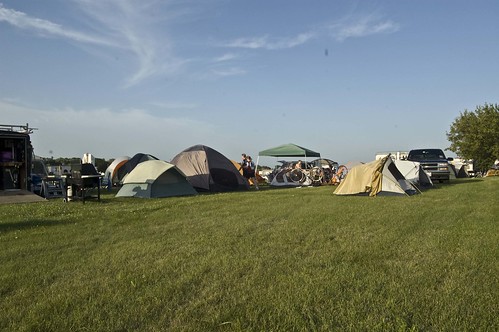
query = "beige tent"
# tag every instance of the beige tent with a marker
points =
(155, 178)
(379, 177)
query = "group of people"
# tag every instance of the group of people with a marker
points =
(249, 171)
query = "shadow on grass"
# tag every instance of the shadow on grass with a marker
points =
(462, 181)
(21, 225)
(451, 183)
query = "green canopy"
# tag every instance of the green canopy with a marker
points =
(289, 150)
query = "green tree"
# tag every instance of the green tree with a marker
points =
(475, 135)
(101, 164)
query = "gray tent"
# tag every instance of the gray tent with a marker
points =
(209, 170)
(155, 178)
(413, 172)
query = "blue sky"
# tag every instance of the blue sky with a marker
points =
(345, 78)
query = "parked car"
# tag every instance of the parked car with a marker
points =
(433, 161)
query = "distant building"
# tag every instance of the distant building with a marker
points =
(59, 170)
(88, 158)
(395, 155)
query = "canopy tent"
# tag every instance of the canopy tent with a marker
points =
(155, 178)
(289, 150)
(378, 177)
(209, 170)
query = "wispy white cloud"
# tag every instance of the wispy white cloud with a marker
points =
(229, 72)
(226, 57)
(361, 27)
(47, 28)
(298, 40)
(265, 42)
(124, 24)
(250, 42)
(350, 27)
(134, 24)
(136, 31)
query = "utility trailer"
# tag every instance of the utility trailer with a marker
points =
(16, 153)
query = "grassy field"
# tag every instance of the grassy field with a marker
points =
(297, 259)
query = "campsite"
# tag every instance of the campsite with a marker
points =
(190, 244)
(252, 260)
(266, 166)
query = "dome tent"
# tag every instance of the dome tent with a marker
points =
(378, 177)
(155, 178)
(111, 173)
(132, 163)
(209, 170)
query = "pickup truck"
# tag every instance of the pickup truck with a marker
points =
(433, 161)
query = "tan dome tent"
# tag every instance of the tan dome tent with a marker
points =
(209, 170)
(379, 177)
(155, 178)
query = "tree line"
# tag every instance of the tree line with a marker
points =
(475, 135)
(100, 163)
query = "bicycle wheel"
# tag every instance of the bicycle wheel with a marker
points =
(316, 174)
(342, 171)
(296, 176)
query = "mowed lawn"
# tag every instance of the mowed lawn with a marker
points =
(298, 259)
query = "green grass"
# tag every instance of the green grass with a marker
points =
(297, 259)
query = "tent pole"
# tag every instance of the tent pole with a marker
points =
(416, 187)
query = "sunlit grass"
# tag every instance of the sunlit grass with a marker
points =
(287, 259)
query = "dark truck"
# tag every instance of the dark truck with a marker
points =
(433, 162)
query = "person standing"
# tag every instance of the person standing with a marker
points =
(251, 172)
(244, 164)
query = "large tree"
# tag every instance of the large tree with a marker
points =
(475, 135)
